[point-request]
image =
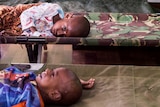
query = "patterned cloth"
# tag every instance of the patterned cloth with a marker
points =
(9, 18)
(40, 17)
(18, 89)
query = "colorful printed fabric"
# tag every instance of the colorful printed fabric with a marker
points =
(9, 18)
(41, 18)
(18, 89)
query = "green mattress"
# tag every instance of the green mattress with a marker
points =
(123, 29)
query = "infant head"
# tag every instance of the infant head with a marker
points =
(76, 26)
(59, 86)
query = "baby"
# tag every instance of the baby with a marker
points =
(58, 86)
(38, 21)
(48, 19)
(73, 25)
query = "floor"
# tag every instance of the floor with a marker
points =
(66, 54)
(55, 54)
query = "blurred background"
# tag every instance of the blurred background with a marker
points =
(134, 6)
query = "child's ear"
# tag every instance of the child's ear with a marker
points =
(55, 95)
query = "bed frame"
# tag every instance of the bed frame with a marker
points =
(136, 33)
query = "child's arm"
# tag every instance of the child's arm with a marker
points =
(87, 84)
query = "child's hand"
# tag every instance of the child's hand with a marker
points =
(71, 15)
(87, 84)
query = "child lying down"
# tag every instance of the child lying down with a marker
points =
(47, 19)
(58, 86)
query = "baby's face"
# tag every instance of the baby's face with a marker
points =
(52, 79)
(65, 27)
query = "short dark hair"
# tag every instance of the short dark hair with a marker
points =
(70, 94)
(83, 27)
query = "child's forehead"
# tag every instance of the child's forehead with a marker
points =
(62, 71)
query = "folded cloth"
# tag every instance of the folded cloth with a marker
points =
(19, 89)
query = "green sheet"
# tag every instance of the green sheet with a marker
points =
(118, 85)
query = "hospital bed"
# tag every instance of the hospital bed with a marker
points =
(108, 30)
(116, 85)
